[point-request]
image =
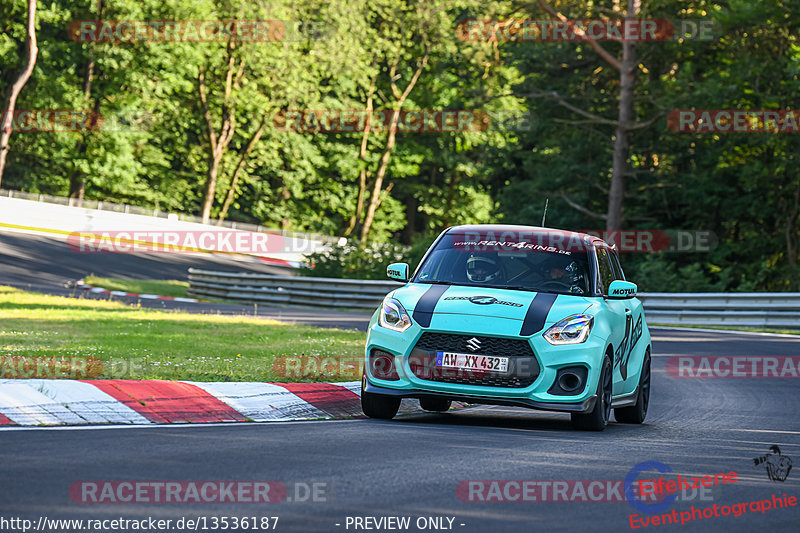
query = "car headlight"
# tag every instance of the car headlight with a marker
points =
(571, 330)
(393, 315)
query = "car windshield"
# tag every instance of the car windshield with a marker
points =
(507, 263)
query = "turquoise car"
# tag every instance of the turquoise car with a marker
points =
(512, 315)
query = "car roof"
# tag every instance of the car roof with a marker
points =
(534, 230)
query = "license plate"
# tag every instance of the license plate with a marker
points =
(486, 363)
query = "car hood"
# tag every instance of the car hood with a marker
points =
(421, 298)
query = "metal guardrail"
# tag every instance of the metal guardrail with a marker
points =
(748, 309)
(288, 290)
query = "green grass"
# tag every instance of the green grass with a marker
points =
(172, 287)
(732, 328)
(136, 343)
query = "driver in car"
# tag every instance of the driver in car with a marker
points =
(483, 269)
(565, 272)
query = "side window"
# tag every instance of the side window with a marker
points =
(618, 273)
(606, 270)
(431, 269)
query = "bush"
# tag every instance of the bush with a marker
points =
(354, 261)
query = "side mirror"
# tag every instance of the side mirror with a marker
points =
(622, 290)
(398, 271)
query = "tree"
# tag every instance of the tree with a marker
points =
(626, 66)
(411, 38)
(8, 112)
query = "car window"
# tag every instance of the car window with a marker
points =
(618, 273)
(521, 265)
(430, 270)
(606, 270)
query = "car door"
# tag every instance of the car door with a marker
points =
(619, 313)
(633, 351)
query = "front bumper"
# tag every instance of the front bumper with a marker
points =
(535, 395)
(582, 407)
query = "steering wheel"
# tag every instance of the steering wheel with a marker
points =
(557, 284)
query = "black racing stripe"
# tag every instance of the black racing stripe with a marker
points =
(423, 312)
(537, 313)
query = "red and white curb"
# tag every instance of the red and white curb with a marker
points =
(99, 290)
(50, 402)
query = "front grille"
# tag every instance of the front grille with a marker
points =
(449, 342)
(523, 368)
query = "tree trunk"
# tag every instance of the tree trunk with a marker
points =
(624, 123)
(239, 167)
(77, 187)
(211, 186)
(619, 169)
(400, 99)
(377, 187)
(362, 175)
(24, 76)
(218, 142)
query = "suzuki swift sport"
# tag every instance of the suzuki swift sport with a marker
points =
(512, 315)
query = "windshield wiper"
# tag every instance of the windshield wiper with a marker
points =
(532, 289)
(435, 282)
(518, 288)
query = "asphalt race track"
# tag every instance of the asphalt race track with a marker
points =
(45, 264)
(412, 466)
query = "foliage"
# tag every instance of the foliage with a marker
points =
(354, 261)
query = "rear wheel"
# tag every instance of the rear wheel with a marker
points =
(435, 404)
(635, 414)
(378, 405)
(597, 418)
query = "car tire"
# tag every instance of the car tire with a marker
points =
(435, 404)
(597, 418)
(635, 414)
(378, 405)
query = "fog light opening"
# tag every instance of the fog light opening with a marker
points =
(382, 365)
(570, 381)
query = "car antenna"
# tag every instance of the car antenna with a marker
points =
(544, 215)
